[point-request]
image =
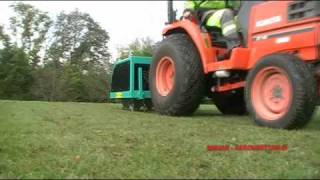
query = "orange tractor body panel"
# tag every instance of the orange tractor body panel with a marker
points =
(269, 32)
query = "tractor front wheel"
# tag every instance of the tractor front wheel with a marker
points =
(176, 76)
(281, 92)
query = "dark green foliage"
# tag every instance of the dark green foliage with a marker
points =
(65, 59)
(15, 74)
(139, 47)
(79, 40)
(30, 27)
(4, 38)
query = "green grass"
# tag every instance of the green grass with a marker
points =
(83, 140)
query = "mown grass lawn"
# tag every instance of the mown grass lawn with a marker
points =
(83, 140)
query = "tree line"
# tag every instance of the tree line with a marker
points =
(65, 58)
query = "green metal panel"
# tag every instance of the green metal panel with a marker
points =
(140, 83)
(135, 60)
(133, 94)
(128, 94)
(131, 75)
(140, 60)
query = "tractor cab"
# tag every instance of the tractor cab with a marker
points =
(242, 18)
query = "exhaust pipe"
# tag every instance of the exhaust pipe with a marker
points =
(171, 12)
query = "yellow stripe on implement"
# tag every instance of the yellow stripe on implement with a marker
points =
(119, 95)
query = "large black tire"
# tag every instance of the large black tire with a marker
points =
(231, 103)
(189, 79)
(304, 92)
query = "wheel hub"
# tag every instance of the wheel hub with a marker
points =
(271, 93)
(277, 92)
(165, 76)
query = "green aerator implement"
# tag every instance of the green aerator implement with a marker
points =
(130, 83)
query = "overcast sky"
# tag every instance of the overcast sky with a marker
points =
(124, 20)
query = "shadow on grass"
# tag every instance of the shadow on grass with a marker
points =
(208, 112)
(215, 113)
(314, 125)
(201, 113)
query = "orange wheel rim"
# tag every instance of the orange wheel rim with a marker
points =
(165, 73)
(271, 93)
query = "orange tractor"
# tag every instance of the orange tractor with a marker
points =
(274, 76)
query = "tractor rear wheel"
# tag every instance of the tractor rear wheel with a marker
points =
(281, 92)
(176, 76)
(231, 103)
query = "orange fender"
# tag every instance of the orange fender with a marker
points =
(200, 39)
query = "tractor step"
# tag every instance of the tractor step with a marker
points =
(222, 74)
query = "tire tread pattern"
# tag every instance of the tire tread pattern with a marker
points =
(304, 89)
(191, 89)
